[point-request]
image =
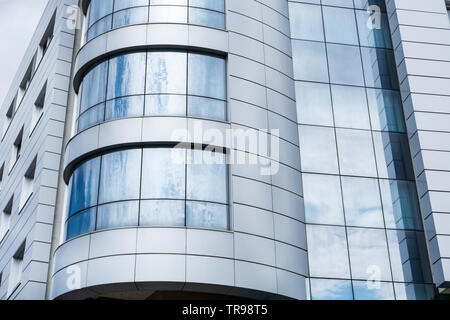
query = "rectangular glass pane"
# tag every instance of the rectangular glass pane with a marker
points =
(207, 76)
(345, 65)
(166, 72)
(369, 254)
(323, 199)
(310, 61)
(411, 291)
(340, 25)
(393, 155)
(379, 68)
(350, 107)
(81, 223)
(327, 252)
(326, 289)
(306, 21)
(206, 215)
(163, 173)
(98, 9)
(386, 111)
(99, 27)
(94, 87)
(318, 149)
(367, 290)
(313, 103)
(373, 33)
(356, 156)
(207, 176)
(84, 186)
(217, 5)
(362, 202)
(338, 3)
(165, 104)
(162, 213)
(126, 75)
(130, 16)
(120, 176)
(91, 117)
(207, 108)
(408, 255)
(125, 107)
(400, 204)
(118, 215)
(206, 18)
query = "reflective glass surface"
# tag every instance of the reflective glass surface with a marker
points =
(104, 15)
(154, 83)
(149, 187)
(320, 209)
(357, 176)
(318, 149)
(327, 251)
(327, 289)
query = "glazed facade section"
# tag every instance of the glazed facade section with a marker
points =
(104, 15)
(159, 187)
(154, 83)
(365, 238)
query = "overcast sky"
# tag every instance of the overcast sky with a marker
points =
(18, 20)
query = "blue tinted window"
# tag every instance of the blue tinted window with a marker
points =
(130, 16)
(379, 68)
(310, 61)
(98, 9)
(362, 203)
(163, 173)
(350, 107)
(91, 116)
(163, 72)
(207, 108)
(94, 87)
(356, 156)
(326, 289)
(123, 4)
(323, 199)
(207, 76)
(369, 254)
(165, 104)
(217, 5)
(318, 149)
(118, 214)
(366, 290)
(120, 176)
(126, 75)
(408, 254)
(327, 252)
(306, 21)
(400, 204)
(412, 291)
(386, 110)
(373, 34)
(80, 223)
(340, 25)
(313, 103)
(207, 18)
(162, 213)
(345, 65)
(206, 215)
(124, 107)
(84, 186)
(393, 155)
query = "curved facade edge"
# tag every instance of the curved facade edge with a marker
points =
(144, 36)
(131, 259)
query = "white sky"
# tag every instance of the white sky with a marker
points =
(18, 20)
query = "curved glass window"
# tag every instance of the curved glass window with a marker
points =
(154, 83)
(154, 186)
(104, 15)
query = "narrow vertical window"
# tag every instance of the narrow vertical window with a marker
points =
(38, 109)
(17, 147)
(9, 115)
(28, 183)
(15, 276)
(5, 219)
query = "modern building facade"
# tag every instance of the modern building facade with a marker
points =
(266, 149)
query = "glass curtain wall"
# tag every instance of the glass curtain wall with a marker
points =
(154, 83)
(153, 186)
(104, 15)
(364, 231)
